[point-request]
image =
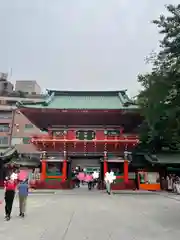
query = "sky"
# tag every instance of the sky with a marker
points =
(79, 44)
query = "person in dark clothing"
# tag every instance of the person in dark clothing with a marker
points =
(75, 179)
(10, 187)
(136, 181)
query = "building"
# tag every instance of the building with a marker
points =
(5, 86)
(22, 132)
(11, 118)
(28, 86)
(94, 130)
(6, 118)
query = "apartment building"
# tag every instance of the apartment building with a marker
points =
(22, 132)
(5, 85)
(15, 129)
(28, 86)
(6, 117)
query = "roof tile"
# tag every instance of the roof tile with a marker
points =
(88, 100)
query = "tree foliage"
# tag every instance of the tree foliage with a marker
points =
(160, 97)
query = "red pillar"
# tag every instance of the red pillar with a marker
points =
(64, 170)
(126, 171)
(43, 170)
(105, 163)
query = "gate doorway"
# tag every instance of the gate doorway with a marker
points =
(90, 164)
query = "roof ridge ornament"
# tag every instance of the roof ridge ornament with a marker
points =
(49, 99)
(125, 100)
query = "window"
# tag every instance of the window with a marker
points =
(4, 128)
(28, 127)
(3, 140)
(113, 133)
(16, 140)
(3, 102)
(26, 140)
(5, 115)
(117, 167)
(12, 102)
(54, 168)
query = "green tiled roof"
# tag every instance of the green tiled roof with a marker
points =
(164, 158)
(83, 100)
(169, 158)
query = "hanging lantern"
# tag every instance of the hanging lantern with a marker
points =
(105, 154)
(85, 135)
(85, 148)
(65, 154)
(126, 147)
(44, 154)
(17, 127)
(116, 143)
(74, 145)
(95, 145)
(105, 146)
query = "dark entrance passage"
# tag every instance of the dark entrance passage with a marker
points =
(89, 163)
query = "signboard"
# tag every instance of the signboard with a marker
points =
(85, 135)
(113, 132)
(59, 133)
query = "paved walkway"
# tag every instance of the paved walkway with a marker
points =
(80, 214)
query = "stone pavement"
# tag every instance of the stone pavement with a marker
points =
(80, 214)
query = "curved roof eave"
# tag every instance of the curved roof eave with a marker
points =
(44, 102)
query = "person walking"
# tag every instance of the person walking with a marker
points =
(89, 180)
(95, 178)
(10, 188)
(23, 188)
(109, 179)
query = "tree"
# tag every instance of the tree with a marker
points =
(160, 97)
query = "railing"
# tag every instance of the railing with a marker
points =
(60, 140)
(59, 155)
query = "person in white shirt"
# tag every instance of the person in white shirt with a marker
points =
(95, 175)
(95, 178)
(14, 176)
(170, 183)
(109, 179)
(177, 185)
